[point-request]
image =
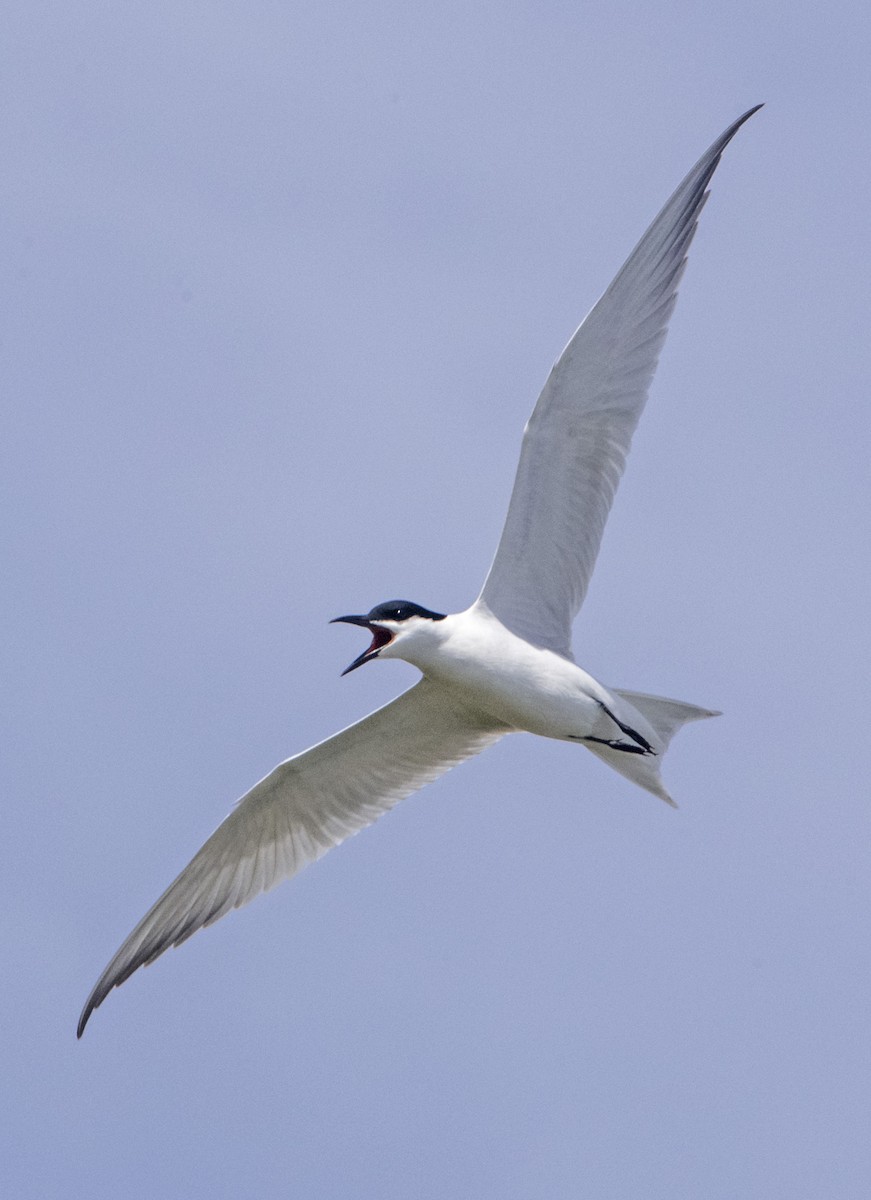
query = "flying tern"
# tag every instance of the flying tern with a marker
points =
(505, 664)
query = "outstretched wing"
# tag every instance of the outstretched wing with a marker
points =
(301, 810)
(576, 441)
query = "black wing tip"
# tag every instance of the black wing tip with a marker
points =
(96, 998)
(707, 164)
(736, 125)
(712, 156)
(85, 1017)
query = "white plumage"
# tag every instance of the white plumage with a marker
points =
(503, 665)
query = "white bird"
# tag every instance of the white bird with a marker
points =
(505, 664)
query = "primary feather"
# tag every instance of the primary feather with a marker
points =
(576, 441)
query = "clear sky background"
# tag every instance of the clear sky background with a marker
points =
(281, 285)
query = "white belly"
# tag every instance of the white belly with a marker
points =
(526, 687)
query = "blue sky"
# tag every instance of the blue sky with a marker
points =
(282, 285)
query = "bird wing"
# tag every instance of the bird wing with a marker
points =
(307, 805)
(576, 441)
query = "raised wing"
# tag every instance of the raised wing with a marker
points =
(301, 810)
(576, 442)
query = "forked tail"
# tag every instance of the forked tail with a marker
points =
(665, 717)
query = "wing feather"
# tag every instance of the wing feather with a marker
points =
(576, 441)
(307, 805)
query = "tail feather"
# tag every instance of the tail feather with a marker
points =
(665, 717)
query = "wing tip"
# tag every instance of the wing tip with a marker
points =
(748, 114)
(727, 135)
(86, 1015)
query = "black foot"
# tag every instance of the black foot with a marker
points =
(643, 744)
(613, 744)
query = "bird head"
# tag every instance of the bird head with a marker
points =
(391, 624)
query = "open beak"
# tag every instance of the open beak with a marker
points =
(380, 638)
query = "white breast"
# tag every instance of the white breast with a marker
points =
(523, 685)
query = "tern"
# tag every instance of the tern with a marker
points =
(504, 665)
